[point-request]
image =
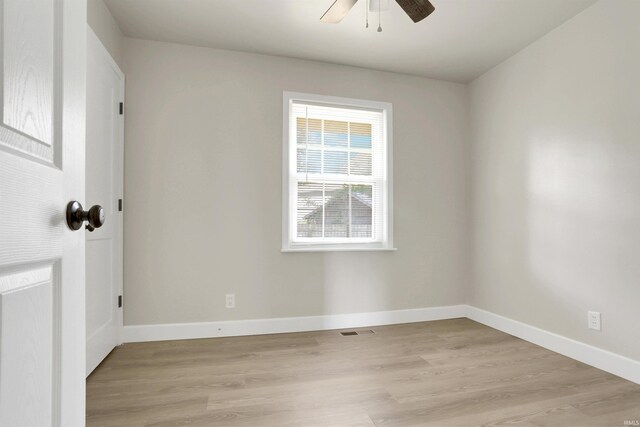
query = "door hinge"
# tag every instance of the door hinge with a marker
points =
(119, 205)
(121, 108)
(119, 301)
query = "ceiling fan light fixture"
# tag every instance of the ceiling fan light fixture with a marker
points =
(416, 9)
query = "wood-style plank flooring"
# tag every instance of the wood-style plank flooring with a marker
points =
(445, 373)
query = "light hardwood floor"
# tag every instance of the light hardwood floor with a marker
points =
(445, 373)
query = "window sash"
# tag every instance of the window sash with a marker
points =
(378, 226)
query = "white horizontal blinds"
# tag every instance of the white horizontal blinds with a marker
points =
(340, 174)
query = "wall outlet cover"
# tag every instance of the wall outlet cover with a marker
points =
(594, 320)
(230, 301)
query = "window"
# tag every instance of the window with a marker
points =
(336, 174)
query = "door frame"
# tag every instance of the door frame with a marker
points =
(93, 42)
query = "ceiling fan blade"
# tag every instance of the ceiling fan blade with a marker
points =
(337, 11)
(416, 9)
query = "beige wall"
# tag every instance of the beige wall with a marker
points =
(106, 28)
(556, 180)
(203, 190)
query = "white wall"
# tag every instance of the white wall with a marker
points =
(203, 190)
(556, 180)
(106, 28)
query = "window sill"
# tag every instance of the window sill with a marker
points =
(337, 248)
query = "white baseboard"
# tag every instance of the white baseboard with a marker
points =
(602, 359)
(607, 361)
(178, 331)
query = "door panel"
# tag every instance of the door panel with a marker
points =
(105, 134)
(27, 313)
(41, 169)
(30, 76)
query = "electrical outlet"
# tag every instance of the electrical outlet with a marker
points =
(230, 301)
(594, 320)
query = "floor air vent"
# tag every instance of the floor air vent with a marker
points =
(348, 333)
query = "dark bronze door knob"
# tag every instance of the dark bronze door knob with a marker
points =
(95, 216)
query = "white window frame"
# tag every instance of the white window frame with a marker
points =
(290, 242)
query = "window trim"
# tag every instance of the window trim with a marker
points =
(387, 111)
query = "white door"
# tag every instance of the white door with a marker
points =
(42, 131)
(105, 136)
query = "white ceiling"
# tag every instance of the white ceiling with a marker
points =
(460, 41)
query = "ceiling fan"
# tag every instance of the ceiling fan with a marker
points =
(416, 9)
